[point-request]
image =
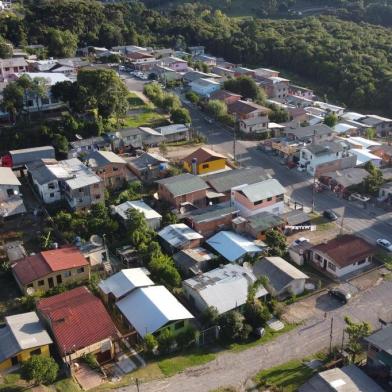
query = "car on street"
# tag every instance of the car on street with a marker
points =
(340, 294)
(387, 245)
(330, 215)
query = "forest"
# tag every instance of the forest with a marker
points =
(349, 61)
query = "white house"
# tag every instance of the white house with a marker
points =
(205, 87)
(224, 288)
(11, 202)
(364, 156)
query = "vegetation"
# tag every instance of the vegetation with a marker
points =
(40, 369)
(276, 242)
(246, 87)
(356, 332)
(331, 119)
(372, 183)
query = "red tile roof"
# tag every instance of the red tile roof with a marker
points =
(38, 266)
(203, 154)
(223, 94)
(78, 319)
(245, 107)
(346, 249)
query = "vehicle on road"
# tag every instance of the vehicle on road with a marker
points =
(340, 294)
(300, 240)
(387, 245)
(330, 215)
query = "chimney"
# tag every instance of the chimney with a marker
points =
(194, 166)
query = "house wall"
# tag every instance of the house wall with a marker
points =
(97, 257)
(207, 167)
(49, 192)
(24, 356)
(262, 125)
(296, 287)
(95, 348)
(86, 196)
(314, 161)
(205, 91)
(114, 175)
(197, 198)
(5, 72)
(247, 208)
(207, 229)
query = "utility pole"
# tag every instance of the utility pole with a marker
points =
(342, 340)
(330, 337)
(234, 142)
(314, 190)
(137, 384)
(342, 221)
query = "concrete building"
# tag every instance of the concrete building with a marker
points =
(205, 87)
(179, 236)
(195, 261)
(11, 202)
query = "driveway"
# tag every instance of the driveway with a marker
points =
(235, 369)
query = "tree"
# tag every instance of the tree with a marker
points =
(13, 99)
(331, 119)
(276, 241)
(150, 343)
(245, 86)
(233, 326)
(192, 97)
(180, 116)
(356, 332)
(210, 317)
(374, 180)
(278, 114)
(216, 108)
(370, 133)
(165, 341)
(40, 369)
(5, 49)
(61, 43)
(170, 102)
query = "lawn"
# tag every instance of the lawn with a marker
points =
(66, 385)
(322, 223)
(135, 102)
(385, 258)
(145, 117)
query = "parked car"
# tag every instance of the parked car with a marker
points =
(387, 245)
(300, 240)
(340, 294)
(329, 214)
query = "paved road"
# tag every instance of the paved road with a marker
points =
(370, 224)
(236, 368)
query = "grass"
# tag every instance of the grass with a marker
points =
(134, 101)
(66, 385)
(146, 117)
(322, 223)
(268, 336)
(385, 258)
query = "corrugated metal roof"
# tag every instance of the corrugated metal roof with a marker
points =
(8, 177)
(103, 158)
(138, 205)
(263, 190)
(183, 184)
(178, 234)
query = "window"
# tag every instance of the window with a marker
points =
(331, 266)
(256, 203)
(179, 324)
(45, 101)
(337, 154)
(59, 279)
(30, 102)
(317, 257)
(361, 262)
(96, 185)
(206, 166)
(115, 169)
(51, 185)
(80, 270)
(51, 195)
(37, 351)
(67, 274)
(97, 197)
(41, 283)
(6, 69)
(10, 192)
(30, 285)
(269, 199)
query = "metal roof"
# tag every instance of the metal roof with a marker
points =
(183, 184)
(348, 177)
(264, 221)
(146, 159)
(364, 156)
(382, 339)
(324, 148)
(8, 177)
(212, 212)
(150, 308)
(80, 174)
(172, 129)
(263, 190)
(125, 281)
(103, 158)
(138, 205)
(178, 234)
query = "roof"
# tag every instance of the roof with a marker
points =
(223, 94)
(224, 182)
(150, 308)
(80, 174)
(51, 77)
(190, 259)
(90, 141)
(296, 217)
(172, 129)
(232, 246)
(352, 116)
(78, 319)
(203, 154)
(361, 141)
(103, 158)
(384, 148)
(347, 379)
(373, 119)
(348, 177)
(31, 150)
(324, 148)
(13, 62)
(203, 82)
(178, 234)
(191, 76)
(279, 272)
(364, 156)
(224, 288)
(38, 266)
(346, 249)
(263, 190)
(212, 212)
(8, 177)
(309, 131)
(125, 281)
(264, 221)
(382, 339)
(183, 184)
(138, 205)
(342, 128)
(245, 107)
(22, 331)
(146, 159)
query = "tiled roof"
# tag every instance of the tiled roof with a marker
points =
(223, 94)
(203, 154)
(245, 107)
(346, 250)
(183, 184)
(64, 258)
(78, 319)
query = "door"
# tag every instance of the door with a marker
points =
(59, 279)
(14, 361)
(50, 283)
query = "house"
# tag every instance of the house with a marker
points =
(70, 180)
(254, 125)
(382, 125)
(224, 288)
(364, 156)
(191, 76)
(384, 152)
(300, 253)
(139, 57)
(174, 132)
(196, 50)
(95, 252)
(233, 247)
(211, 219)
(204, 87)
(267, 195)
(50, 268)
(275, 86)
(11, 67)
(153, 309)
(345, 129)
(348, 378)
(209, 60)
(127, 139)
(299, 91)
(310, 134)
(245, 110)
(14, 250)
(385, 193)
(22, 337)
(11, 202)
(204, 160)
(338, 110)
(243, 71)
(185, 188)
(151, 137)
(284, 279)
(223, 71)
(265, 73)
(379, 353)
(226, 96)
(179, 236)
(195, 261)
(360, 142)
(83, 146)
(313, 155)
(148, 166)
(342, 255)
(79, 324)
(175, 63)
(153, 219)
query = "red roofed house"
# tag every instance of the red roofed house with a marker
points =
(79, 324)
(342, 255)
(51, 268)
(203, 160)
(226, 96)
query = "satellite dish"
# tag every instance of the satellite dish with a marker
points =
(79, 137)
(30, 291)
(96, 240)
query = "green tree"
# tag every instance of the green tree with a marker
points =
(276, 242)
(374, 180)
(192, 97)
(61, 43)
(278, 114)
(370, 133)
(210, 317)
(245, 86)
(331, 119)
(40, 369)
(165, 341)
(180, 116)
(216, 108)
(356, 332)
(233, 326)
(150, 343)
(5, 49)
(13, 98)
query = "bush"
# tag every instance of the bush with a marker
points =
(150, 343)
(43, 370)
(210, 317)
(165, 341)
(91, 361)
(277, 308)
(191, 96)
(232, 325)
(186, 337)
(256, 314)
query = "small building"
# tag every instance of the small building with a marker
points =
(184, 188)
(205, 87)
(110, 167)
(179, 236)
(80, 325)
(95, 252)
(196, 50)
(153, 309)
(245, 110)
(225, 288)
(364, 156)
(211, 219)
(382, 125)
(148, 166)
(174, 132)
(267, 195)
(275, 86)
(284, 279)
(361, 142)
(191, 262)
(254, 125)
(151, 137)
(22, 337)
(153, 218)
(342, 255)
(226, 96)
(300, 253)
(11, 67)
(11, 202)
(83, 146)
(175, 63)
(127, 139)
(385, 193)
(50, 268)
(311, 134)
(384, 152)
(233, 247)
(204, 160)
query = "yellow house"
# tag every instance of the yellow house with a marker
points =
(22, 337)
(203, 160)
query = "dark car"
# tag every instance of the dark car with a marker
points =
(340, 294)
(329, 214)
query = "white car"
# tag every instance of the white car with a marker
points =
(300, 240)
(384, 244)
